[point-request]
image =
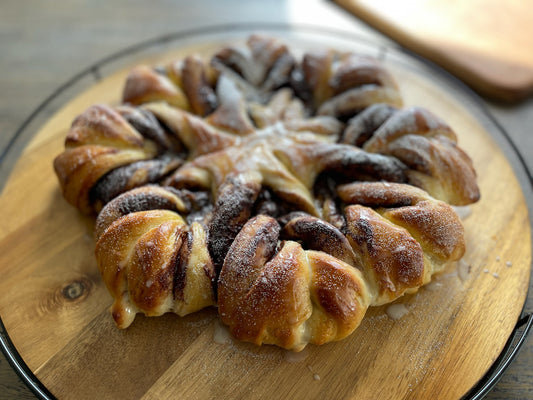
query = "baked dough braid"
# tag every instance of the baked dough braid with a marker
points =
(186, 84)
(261, 66)
(111, 150)
(276, 292)
(342, 84)
(422, 141)
(400, 235)
(284, 187)
(99, 141)
(150, 259)
(332, 84)
(103, 141)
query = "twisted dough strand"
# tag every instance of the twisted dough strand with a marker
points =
(423, 142)
(288, 297)
(151, 260)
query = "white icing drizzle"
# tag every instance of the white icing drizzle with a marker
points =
(295, 356)
(396, 311)
(463, 270)
(221, 334)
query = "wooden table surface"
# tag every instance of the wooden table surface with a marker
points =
(43, 43)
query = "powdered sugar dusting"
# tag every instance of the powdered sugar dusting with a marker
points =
(228, 93)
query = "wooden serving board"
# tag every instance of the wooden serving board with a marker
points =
(55, 306)
(486, 43)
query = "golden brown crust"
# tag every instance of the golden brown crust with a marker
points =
(340, 297)
(196, 135)
(341, 84)
(197, 87)
(144, 85)
(391, 258)
(80, 168)
(99, 141)
(432, 223)
(138, 255)
(145, 198)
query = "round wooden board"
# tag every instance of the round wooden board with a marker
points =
(55, 306)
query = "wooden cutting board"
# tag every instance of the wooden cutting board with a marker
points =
(55, 306)
(486, 43)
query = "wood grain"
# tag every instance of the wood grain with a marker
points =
(55, 306)
(483, 42)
